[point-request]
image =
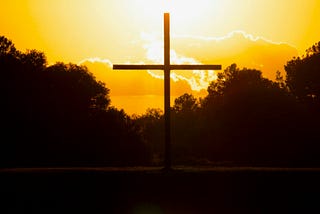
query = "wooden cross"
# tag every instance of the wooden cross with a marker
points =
(167, 67)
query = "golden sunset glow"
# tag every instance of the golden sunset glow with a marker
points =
(262, 34)
(183, 12)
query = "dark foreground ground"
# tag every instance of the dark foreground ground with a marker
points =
(150, 191)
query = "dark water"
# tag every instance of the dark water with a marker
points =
(141, 190)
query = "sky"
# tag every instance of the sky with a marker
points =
(261, 34)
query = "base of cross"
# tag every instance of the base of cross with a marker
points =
(167, 169)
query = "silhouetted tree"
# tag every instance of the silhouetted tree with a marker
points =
(186, 127)
(60, 115)
(152, 129)
(7, 48)
(303, 75)
(185, 103)
(253, 120)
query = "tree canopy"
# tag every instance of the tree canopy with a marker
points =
(60, 115)
(303, 75)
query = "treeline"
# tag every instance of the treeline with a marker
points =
(60, 115)
(247, 119)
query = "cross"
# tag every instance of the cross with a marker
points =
(167, 67)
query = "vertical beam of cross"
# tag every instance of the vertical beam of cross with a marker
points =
(167, 67)
(167, 115)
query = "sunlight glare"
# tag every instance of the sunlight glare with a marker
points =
(166, 6)
(184, 13)
(184, 7)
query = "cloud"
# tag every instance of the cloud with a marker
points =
(231, 35)
(238, 47)
(93, 60)
(136, 90)
(197, 79)
(133, 91)
(132, 82)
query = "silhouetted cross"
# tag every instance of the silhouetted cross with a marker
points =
(167, 67)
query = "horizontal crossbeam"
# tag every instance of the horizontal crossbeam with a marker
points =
(138, 67)
(172, 67)
(195, 67)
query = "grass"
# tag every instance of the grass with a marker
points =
(150, 190)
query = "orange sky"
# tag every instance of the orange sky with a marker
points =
(261, 34)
